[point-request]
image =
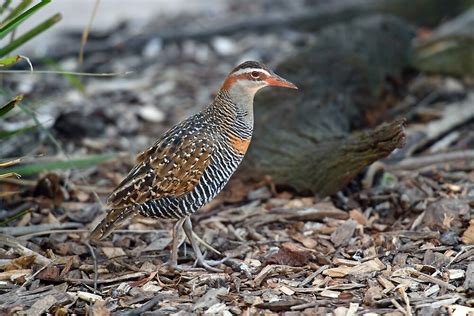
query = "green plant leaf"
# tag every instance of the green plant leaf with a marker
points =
(41, 166)
(9, 60)
(10, 105)
(30, 34)
(13, 22)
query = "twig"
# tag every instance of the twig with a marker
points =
(313, 275)
(94, 257)
(56, 72)
(105, 281)
(87, 29)
(455, 257)
(423, 161)
(206, 245)
(4, 214)
(31, 183)
(32, 277)
(407, 301)
(398, 306)
(49, 232)
(305, 306)
(428, 278)
(272, 269)
(142, 309)
(24, 230)
(22, 250)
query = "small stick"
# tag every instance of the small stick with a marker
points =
(22, 250)
(105, 281)
(399, 307)
(205, 244)
(407, 301)
(24, 230)
(85, 33)
(94, 257)
(423, 161)
(56, 231)
(313, 275)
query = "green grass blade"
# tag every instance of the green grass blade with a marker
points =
(37, 167)
(7, 134)
(5, 5)
(8, 220)
(9, 60)
(30, 34)
(22, 6)
(13, 22)
(10, 105)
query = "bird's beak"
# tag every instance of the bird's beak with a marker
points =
(278, 81)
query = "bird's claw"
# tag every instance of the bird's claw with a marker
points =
(210, 264)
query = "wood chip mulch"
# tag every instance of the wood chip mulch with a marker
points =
(401, 247)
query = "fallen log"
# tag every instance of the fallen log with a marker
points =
(304, 139)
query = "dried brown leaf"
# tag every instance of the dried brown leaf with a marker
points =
(23, 262)
(468, 235)
(358, 217)
(290, 255)
(99, 309)
(113, 252)
(51, 273)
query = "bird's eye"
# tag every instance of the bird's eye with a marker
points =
(255, 74)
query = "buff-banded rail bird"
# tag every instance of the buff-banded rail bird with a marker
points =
(190, 164)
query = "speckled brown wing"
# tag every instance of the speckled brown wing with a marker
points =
(172, 167)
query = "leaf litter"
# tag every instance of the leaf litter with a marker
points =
(397, 241)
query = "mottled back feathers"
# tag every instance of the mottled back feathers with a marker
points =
(171, 167)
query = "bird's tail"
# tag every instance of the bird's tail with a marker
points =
(111, 221)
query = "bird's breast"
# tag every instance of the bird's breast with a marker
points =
(239, 144)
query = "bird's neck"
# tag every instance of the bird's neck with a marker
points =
(234, 108)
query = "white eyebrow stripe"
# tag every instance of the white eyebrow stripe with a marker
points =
(248, 70)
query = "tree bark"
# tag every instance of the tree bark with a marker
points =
(303, 138)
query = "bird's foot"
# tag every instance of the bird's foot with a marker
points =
(209, 264)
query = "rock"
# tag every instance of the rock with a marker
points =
(302, 138)
(151, 113)
(153, 48)
(210, 298)
(77, 124)
(224, 46)
(262, 193)
(449, 238)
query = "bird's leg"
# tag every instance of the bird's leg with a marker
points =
(188, 229)
(173, 261)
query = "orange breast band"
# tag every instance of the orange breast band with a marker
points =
(240, 145)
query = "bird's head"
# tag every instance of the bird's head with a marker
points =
(251, 76)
